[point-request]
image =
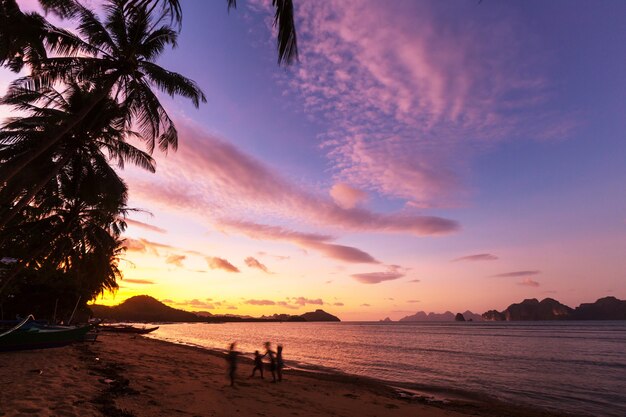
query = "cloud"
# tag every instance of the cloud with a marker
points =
(528, 283)
(406, 88)
(176, 260)
(138, 281)
(254, 263)
(338, 304)
(211, 175)
(313, 241)
(478, 257)
(392, 272)
(278, 257)
(302, 301)
(365, 305)
(413, 301)
(347, 197)
(221, 263)
(261, 302)
(144, 245)
(287, 305)
(145, 226)
(516, 274)
(414, 280)
(195, 303)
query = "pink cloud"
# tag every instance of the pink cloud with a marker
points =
(221, 263)
(404, 93)
(138, 281)
(287, 305)
(478, 257)
(254, 263)
(393, 272)
(347, 197)
(528, 283)
(338, 304)
(261, 302)
(302, 301)
(145, 226)
(516, 274)
(210, 175)
(176, 260)
(313, 241)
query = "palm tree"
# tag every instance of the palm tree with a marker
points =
(123, 49)
(104, 129)
(75, 228)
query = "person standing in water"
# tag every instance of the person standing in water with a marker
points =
(272, 357)
(279, 362)
(232, 358)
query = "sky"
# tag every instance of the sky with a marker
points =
(420, 156)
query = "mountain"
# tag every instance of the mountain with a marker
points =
(142, 308)
(422, 316)
(447, 316)
(459, 317)
(147, 309)
(319, 315)
(531, 310)
(607, 308)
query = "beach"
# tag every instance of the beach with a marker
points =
(125, 375)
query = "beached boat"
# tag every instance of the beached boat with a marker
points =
(124, 328)
(27, 336)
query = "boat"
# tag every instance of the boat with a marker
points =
(125, 328)
(26, 336)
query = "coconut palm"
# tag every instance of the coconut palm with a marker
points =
(123, 49)
(104, 130)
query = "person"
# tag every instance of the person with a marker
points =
(258, 364)
(279, 362)
(231, 358)
(272, 357)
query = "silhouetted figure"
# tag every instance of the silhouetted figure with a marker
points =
(279, 362)
(272, 357)
(258, 364)
(231, 358)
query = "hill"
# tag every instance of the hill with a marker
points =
(607, 308)
(144, 308)
(447, 316)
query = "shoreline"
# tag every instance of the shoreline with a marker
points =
(436, 396)
(131, 376)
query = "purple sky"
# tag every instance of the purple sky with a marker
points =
(464, 155)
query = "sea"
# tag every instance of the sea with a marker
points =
(576, 368)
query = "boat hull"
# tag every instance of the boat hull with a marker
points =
(38, 338)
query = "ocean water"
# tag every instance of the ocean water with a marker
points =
(572, 367)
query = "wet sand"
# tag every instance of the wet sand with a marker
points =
(125, 375)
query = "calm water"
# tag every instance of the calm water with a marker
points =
(575, 367)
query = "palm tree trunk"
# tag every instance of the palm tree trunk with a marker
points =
(17, 167)
(33, 192)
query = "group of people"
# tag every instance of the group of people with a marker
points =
(275, 358)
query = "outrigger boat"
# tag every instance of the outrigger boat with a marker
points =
(125, 328)
(30, 335)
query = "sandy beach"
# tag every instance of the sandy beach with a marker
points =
(124, 375)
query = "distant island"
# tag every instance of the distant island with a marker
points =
(607, 308)
(143, 308)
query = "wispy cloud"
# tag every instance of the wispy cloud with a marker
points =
(405, 92)
(254, 263)
(260, 302)
(414, 280)
(313, 241)
(221, 263)
(235, 183)
(516, 274)
(145, 226)
(413, 301)
(528, 283)
(393, 272)
(138, 281)
(338, 304)
(176, 260)
(478, 257)
(302, 301)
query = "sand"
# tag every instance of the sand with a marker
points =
(125, 375)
